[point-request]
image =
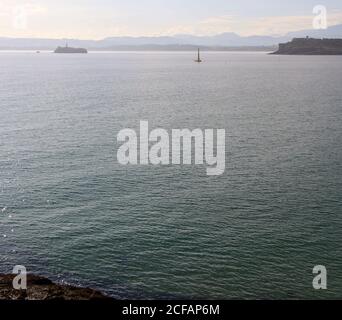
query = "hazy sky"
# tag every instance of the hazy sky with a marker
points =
(95, 19)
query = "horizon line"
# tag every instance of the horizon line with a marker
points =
(166, 36)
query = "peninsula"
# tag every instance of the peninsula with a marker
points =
(311, 46)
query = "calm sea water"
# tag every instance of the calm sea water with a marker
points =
(257, 231)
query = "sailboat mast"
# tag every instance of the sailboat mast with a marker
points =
(198, 56)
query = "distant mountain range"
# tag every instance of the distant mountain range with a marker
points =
(177, 42)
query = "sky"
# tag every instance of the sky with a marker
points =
(98, 19)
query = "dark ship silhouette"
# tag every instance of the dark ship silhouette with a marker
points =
(68, 49)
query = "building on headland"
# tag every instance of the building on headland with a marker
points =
(311, 46)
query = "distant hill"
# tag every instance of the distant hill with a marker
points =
(333, 32)
(177, 42)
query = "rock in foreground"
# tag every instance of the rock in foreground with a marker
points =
(39, 288)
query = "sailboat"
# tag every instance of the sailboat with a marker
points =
(199, 57)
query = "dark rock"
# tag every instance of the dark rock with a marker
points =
(39, 288)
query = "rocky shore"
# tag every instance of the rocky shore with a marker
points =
(40, 288)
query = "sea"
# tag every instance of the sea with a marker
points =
(69, 211)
